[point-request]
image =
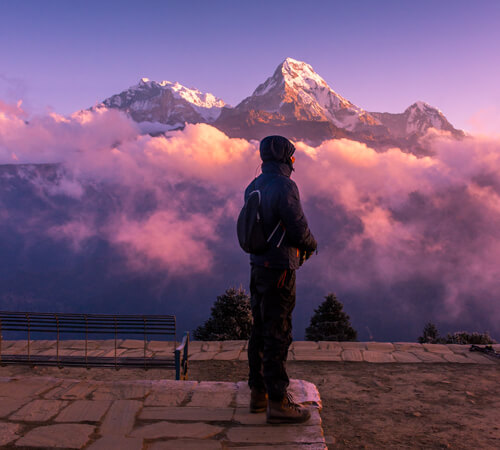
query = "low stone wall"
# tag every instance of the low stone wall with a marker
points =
(371, 352)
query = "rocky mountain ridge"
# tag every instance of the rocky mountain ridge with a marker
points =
(295, 101)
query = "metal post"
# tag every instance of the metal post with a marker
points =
(177, 364)
(86, 341)
(116, 367)
(57, 344)
(144, 319)
(29, 351)
(0, 341)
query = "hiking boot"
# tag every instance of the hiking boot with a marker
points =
(258, 401)
(286, 411)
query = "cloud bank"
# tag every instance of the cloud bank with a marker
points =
(402, 240)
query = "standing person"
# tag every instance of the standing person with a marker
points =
(272, 282)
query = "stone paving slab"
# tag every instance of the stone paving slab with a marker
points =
(120, 418)
(220, 419)
(117, 442)
(291, 434)
(9, 432)
(9, 405)
(84, 411)
(198, 430)
(57, 436)
(38, 411)
(187, 413)
(187, 444)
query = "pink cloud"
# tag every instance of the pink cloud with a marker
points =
(381, 218)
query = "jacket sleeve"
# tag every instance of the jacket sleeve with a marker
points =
(294, 220)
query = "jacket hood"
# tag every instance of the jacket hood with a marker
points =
(276, 148)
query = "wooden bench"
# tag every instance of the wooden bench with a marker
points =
(28, 325)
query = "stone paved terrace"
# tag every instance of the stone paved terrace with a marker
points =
(62, 412)
(70, 413)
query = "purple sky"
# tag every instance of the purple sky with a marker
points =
(381, 55)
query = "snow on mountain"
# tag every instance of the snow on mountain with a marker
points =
(297, 92)
(167, 103)
(295, 101)
(416, 120)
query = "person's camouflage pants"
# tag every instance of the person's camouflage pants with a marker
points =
(273, 299)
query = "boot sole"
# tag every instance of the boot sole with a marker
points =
(258, 410)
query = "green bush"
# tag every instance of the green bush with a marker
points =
(231, 318)
(430, 335)
(330, 322)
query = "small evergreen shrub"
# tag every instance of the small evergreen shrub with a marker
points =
(231, 318)
(330, 322)
(430, 335)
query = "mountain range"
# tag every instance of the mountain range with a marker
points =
(295, 102)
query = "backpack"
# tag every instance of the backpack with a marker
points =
(250, 227)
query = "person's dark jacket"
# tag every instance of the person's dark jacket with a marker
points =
(280, 203)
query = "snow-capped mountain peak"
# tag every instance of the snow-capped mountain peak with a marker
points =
(295, 88)
(166, 102)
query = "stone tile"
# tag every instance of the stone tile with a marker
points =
(429, 357)
(405, 357)
(120, 418)
(436, 348)
(304, 345)
(117, 442)
(480, 358)
(187, 413)
(276, 435)
(187, 444)
(84, 411)
(380, 346)
(317, 355)
(38, 411)
(161, 345)
(353, 345)
(194, 347)
(70, 435)
(326, 345)
(8, 432)
(377, 357)
(213, 394)
(110, 353)
(233, 345)
(457, 348)
(245, 417)
(132, 343)
(405, 346)
(78, 391)
(121, 391)
(60, 389)
(196, 430)
(283, 447)
(202, 356)
(211, 346)
(228, 356)
(15, 347)
(458, 358)
(170, 393)
(26, 387)
(352, 355)
(9, 405)
(242, 394)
